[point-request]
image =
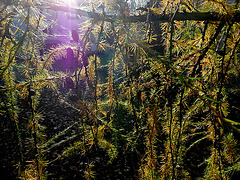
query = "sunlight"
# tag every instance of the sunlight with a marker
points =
(70, 2)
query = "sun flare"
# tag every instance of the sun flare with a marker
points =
(70, 2)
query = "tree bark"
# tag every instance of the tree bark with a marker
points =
(179, 16)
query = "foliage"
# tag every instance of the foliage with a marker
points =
(153, 100)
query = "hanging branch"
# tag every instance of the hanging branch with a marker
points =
(173, 161)
(11, 58)
(204, 30)
(198, 67)
(95, 62)
(231, 56)
(149, 25)
(181, 111)
(96, 76)
(222, 75)
(186, 83)
(33, 119)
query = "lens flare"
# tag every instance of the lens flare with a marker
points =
(70, 2)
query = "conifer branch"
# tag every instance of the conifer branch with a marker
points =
(178, 16)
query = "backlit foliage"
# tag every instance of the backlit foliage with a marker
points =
(161, 93)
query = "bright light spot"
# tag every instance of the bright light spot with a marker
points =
(70, 2)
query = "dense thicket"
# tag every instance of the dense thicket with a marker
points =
(151, 93)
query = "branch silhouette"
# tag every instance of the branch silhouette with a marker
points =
(179, 16)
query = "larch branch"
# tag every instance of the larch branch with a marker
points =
(179, 16)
